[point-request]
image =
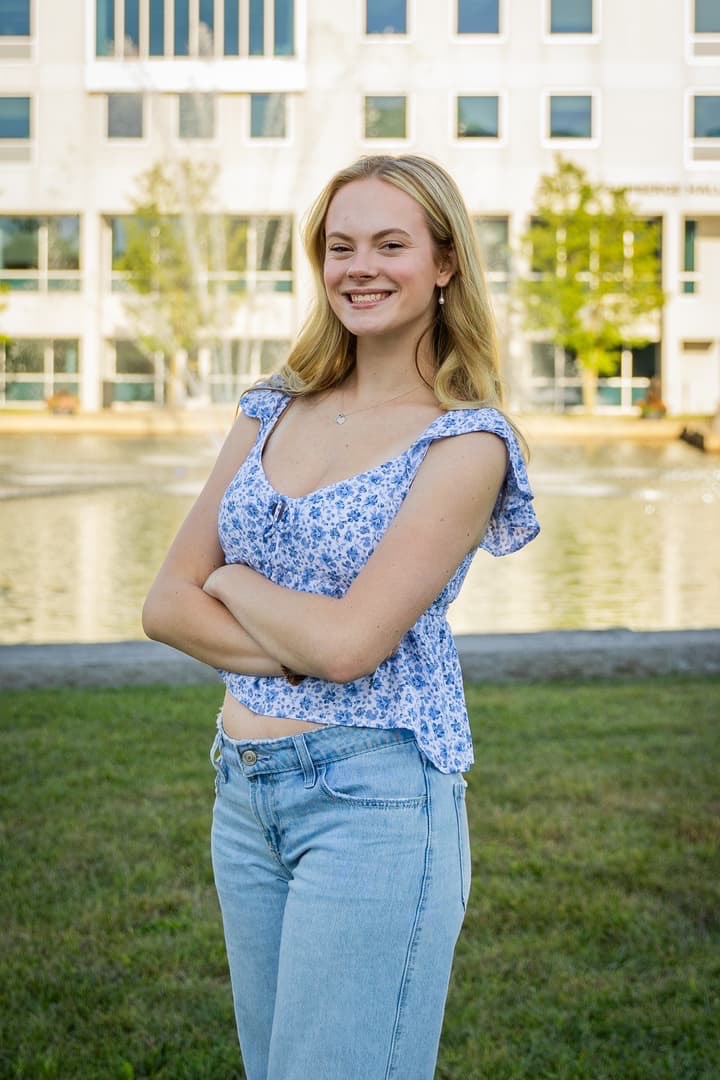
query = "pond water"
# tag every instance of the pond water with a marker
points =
(630, 537)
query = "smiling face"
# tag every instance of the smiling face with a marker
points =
(381, 269)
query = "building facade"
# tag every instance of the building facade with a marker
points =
(277, 94)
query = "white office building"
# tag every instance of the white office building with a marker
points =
(279, 93)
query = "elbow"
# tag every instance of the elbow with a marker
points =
(344, 663)
(152, 620)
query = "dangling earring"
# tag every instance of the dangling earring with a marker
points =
(441, 297)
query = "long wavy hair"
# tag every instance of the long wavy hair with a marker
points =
(463, 337)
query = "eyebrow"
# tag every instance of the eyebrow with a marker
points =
(375, 236)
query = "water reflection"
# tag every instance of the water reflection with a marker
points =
(629, 538)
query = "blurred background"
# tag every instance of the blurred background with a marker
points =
(156, 161)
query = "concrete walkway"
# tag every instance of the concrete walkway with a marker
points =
(568, 654)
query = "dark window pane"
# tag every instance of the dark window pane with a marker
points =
(119, 229)
(645, 361)
(181, 36)
(267, 116)
(477, 117)
(125, 116)
(231, 30)
(105, 27)
(571, 16)
(478, 17)
(386, 17)
(707, 17)
(284, 43)
(19, 243)
(130, 361)
(274, 243)
(24, 357)
(64, 243)
(542, 359)
(132, 27)
(14, 117)
(206, 37)
(65, 357)
(196, 116)
(257, 27)
(157, 27)
(14, 18)
(707, 116)
(384, 117)
(492, 234)
(571, 116)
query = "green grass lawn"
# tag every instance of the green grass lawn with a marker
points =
(592, 942)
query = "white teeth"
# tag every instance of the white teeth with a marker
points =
(367, 298)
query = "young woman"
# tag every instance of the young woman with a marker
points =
(315, 571)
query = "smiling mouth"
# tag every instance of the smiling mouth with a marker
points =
(362, 299)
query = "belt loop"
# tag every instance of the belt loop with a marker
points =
(308, 765)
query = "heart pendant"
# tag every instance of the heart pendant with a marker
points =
(340, 418)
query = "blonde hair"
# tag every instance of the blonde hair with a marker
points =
(464, 342)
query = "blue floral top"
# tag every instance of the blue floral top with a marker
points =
(319, 543)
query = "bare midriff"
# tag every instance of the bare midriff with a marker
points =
(239, 722)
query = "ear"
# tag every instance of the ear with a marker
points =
(447, 267)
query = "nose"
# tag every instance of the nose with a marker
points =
(360, 267)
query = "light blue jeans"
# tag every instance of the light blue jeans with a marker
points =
(342, 863)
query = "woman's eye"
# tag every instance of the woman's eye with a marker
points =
(338, 249)
(393, 245)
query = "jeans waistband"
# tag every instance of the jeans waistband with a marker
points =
(257, 757)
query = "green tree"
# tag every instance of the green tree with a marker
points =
(594, 284)
(177, 255)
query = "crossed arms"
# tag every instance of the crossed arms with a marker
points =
(233, 618)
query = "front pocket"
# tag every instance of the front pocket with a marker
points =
(388, 777)
(463, 840)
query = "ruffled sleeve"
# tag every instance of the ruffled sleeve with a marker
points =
(264, 402)
(513, 523)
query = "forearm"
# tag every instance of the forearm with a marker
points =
(305, 631)
(182, 615)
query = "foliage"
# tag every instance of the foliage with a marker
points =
(176, 250)
(594, 284)
(591, 945)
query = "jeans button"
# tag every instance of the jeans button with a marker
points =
(249, 757)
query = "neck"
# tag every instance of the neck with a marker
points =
(384, 367)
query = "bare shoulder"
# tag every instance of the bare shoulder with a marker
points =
(477, 459)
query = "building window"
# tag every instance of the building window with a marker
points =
(385, 117)
(493, 238)
(33, 370)
(689, 276)
(14, 117)
(477, 117)
(131, 37)
(478, 16)
(279, 17)
(571, 16)
(236, 364)
(386, 16)
(156, 29)
(137, 376)
(205, 28)
(707, 17)
(40, 254)
(125, 116)
(706, 116)
(240, 254)
(14, 18)
(571, 116)
(196, 116)
(268, 116)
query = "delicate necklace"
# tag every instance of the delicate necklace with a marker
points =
(342, 416)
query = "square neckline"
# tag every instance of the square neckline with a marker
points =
(261, 442)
